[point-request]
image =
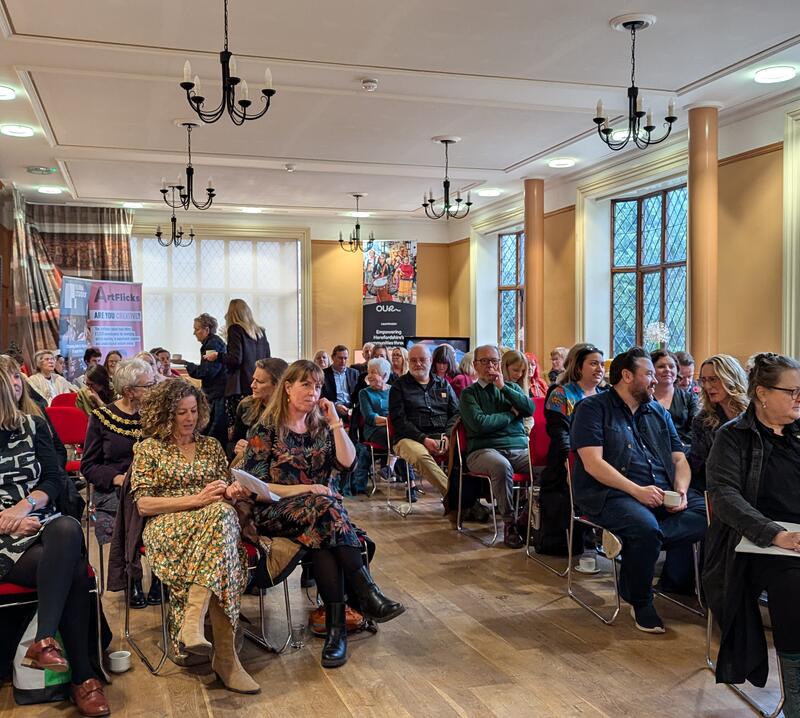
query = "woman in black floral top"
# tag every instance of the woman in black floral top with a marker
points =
(294, 448)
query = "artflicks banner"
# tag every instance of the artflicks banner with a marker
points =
(99, 313)
(389, 292)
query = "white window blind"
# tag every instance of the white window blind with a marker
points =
(179, 283)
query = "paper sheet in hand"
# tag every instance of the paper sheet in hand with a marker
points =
(747, 546)
(256, 485)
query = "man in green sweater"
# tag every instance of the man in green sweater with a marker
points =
(492, 411)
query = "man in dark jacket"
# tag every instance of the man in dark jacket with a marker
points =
(629, 455)
(212, 375)
(339, 383)
(422, 410)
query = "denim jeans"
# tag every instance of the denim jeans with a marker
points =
(644, 532)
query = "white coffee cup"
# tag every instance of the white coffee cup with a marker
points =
(587, 564)
(119, 661)
(672, 499)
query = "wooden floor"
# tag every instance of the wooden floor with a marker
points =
(486, 632)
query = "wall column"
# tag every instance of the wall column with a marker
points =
(534, 267)
(703, 231)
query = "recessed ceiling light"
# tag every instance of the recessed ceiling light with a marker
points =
(489, 192)
(561, 162)
(7, 93)
(779, 73)
(49, 189)
(41, 170)
(132, 205)
(17, 130)
(251, 210)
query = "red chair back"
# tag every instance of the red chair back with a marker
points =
(67, 399)
(70, 424)
(539, 440)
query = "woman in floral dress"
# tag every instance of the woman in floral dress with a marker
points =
(180, 480)
(294, 447)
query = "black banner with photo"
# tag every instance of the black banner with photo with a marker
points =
(389, 292)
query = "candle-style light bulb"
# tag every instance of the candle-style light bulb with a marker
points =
(187, 71)
(469, 197)
(245, 90)
(164, 183)
(197, 85)
(671, 108)
(605, 124)
(267, 79)
(639, 104)
(233, 66)
(649, 117)
(599, 109)
(210, 183)
(179, 181)
(158, 229)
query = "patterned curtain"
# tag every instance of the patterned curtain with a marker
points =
(91, 242)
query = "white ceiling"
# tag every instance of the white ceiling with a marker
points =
(516, 79)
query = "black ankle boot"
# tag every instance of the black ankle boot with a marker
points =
(371, 601)
(334, 652)
(154, 594)
(137, 599)
(307, 577)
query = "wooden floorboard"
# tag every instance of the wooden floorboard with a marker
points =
(487, 632)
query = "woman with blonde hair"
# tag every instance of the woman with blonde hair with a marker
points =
(298, 442)
(399, 361)
(723, 396)
(466, 374)
(515, 368)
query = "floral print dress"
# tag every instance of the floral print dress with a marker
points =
(314, 520)
(199, 546)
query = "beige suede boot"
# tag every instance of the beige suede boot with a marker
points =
(225, 662)
(192, 634)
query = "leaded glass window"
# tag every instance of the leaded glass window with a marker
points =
(648, 300)
(510, 286)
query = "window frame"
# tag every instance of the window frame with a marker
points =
(640, 269)
(518, 287)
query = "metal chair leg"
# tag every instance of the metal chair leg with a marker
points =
(261, 637)
(164, 633)
(698, 595)
(460, 521)
(398, 508)
(534, 555)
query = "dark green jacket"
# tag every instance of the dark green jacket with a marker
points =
(488, 419)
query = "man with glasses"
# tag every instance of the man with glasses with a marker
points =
(422, 410)
(492, 411)
(629, 458)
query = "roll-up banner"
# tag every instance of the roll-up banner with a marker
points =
(389, 292)
(98, 313)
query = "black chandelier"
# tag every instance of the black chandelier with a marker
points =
(456, 211)
(354, 244)
(185, 188)
(640, 134)
(237, 109)
(177, 234)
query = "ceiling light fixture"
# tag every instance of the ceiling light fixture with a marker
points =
(132, 205)
(176, 235)
(40, 170)
(251, 210)
(560, 163)
(489, 192)
(354, 243)
(636, 132)
(7, 93)
(448, 210)
(16, 130)
(779, 73)
(186, 188)
(369, 84)
(230, 80)
(49, 189)
(289, 167)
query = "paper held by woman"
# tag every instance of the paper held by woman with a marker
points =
(747, 546)
(254, 484)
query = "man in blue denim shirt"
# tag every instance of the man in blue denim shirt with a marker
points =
(629, 454)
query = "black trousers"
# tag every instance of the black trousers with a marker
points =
(779, 576)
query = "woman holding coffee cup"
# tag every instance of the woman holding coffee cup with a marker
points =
(753, 475)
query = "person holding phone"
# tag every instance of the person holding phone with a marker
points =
(298, 441)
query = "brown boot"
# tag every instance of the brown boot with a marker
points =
(225, 662)
(46, 654)
(192, 634)
(89, 698)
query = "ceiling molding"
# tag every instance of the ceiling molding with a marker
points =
(38, 108)
(6, 28)
(62, 166)
(143, 228)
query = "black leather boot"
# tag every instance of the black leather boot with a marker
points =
(154, 594)
(307, 577)
(372, 603)
(137, 599)
(334, 652)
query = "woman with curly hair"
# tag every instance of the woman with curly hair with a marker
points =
(723, 396)
(296, 445)
(180, 481)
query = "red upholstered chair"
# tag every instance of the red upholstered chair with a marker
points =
(67, 399)
(70, 424)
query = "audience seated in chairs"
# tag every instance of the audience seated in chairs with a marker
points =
(113, 358)
(180, 481)
(108, 452)
(340, 381)
(493, 411)
(43, 552)
(558, 355)
(152, 362)
(466, 374)
(294, 447)
(443, 363)
(582, 376)
(686, 379)
(91, 357)
(516, 369)
(400, 361)
(46, 381)
(723, 396)
(538, 386)
(628, 455)
(423, 409)
(96, 391)
(366, 353)
(164, 362)
(680, 403)
(753, 475)
(321, 359)
(266, 376)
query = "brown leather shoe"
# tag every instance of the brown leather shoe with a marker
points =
(89, 698)
(45, 654)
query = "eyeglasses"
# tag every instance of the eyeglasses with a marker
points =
(794, 392)
(709, 380)
(485, 362)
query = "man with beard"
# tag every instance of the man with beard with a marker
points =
(629, 455)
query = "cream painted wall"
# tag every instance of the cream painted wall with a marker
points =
(460, 318)
(559, 279)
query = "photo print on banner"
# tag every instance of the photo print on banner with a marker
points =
(389, 292)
